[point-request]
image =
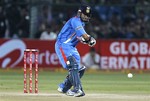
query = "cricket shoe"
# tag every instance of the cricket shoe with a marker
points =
(74, 93)
(60, 88)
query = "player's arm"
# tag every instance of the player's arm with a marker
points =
(85, 38)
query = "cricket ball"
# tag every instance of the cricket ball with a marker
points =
(130, 75)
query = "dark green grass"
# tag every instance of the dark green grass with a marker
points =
(93, 82)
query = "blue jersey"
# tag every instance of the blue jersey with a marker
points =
(68, 39)
(71, 30)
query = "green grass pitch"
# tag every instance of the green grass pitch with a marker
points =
(100, 86)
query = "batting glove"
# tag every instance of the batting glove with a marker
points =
(92, 42)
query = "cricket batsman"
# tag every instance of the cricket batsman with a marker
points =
(70, 35)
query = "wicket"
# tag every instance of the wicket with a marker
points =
(30, 52)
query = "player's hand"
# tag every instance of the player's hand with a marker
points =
(82, 40)
(92, 42)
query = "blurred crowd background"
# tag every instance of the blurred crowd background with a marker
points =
(111, 19)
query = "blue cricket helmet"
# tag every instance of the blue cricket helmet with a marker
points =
(85, 9)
